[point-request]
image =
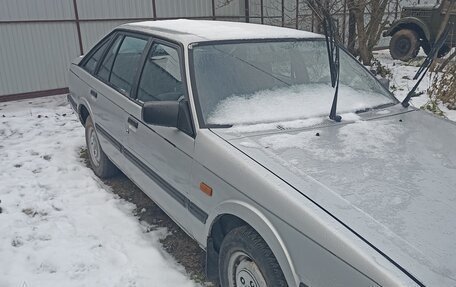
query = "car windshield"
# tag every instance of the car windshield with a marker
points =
(264, 82)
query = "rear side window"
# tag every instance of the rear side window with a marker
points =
(161, 78)
(126, 63)
(92, 61)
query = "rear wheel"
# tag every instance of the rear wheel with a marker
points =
(404, 45)
(101, 164)
(246, 261)
(444, 50)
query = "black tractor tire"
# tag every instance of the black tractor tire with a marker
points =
(253, 252)
(101, 165)
(444, 50)
(404, 45)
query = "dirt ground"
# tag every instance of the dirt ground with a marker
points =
(178, 244)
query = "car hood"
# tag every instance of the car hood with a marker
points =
(391, 178)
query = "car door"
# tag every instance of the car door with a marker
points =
(164, 154)
(111, 89)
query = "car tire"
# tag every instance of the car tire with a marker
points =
(100, 163)
(245, 260)
(404, 45)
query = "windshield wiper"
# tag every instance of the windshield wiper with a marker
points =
(332, 46)
(421, 73)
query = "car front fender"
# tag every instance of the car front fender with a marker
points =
(260, 222)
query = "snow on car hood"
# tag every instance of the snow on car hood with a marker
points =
(391, 178)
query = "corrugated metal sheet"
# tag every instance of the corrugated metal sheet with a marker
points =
(92, 32)
(183, 8)
(112, 9)
(35, 57)
(35, 9)
(234, 8)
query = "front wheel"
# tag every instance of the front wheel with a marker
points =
(404, 45)
(101, 164)
(246, 261)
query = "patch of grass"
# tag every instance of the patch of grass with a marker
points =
(381, 70)
(416, 62)
(433, 106)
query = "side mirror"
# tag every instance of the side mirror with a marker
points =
(174, 114)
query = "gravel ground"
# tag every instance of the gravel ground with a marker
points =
(178, 244)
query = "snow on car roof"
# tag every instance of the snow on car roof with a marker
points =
(189, 31)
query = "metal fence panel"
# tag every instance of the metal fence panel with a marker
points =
(184, 8)
(92, 32)
(234, 8)
(36, 10)
(35, 57)
(111, 9)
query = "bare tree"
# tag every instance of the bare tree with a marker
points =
(369, 31)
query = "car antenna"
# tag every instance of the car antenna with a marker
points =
(332, 46)
(424, 68)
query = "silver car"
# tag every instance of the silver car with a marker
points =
(225, 126)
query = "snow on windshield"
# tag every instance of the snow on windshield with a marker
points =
(290, 103)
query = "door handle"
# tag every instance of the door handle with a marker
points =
(94, 94)
(132, 122)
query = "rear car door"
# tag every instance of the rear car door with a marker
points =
(110, 89)
(165, 154)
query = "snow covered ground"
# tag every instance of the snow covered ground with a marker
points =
(60, 225)
(403, 82)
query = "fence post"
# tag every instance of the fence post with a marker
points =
(154, 10)
(283, 13)
(213, 9)
(247, 11)
(78, 26)
(262, 12)
(297, 14)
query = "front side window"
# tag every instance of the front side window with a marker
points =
(161, 78)
(250, 83)
(126, 63)
(92, 61)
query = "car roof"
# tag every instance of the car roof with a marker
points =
(193, 31)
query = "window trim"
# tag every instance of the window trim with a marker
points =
(180, 51)
(143, 66)
(123, 34)
(113, 41)
(106, 40)
(151, 39)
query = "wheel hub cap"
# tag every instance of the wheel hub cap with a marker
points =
(245, 272)
(404, 46)
(94, 147)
